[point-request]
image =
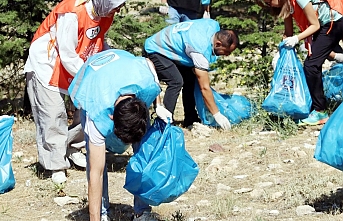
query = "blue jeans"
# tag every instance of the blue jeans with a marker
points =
(180, 15)
(138, 205)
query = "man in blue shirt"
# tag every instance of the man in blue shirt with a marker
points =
(182, 53)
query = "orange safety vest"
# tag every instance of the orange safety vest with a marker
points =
(336, 5)
(302, 22)
(90, 37)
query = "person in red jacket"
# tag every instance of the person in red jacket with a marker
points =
(321, 26)
(72, 32)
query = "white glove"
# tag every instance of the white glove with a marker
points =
(164, 9)
(206, 14)
(164, 114)
(222, 121)
(290, 42)
(338, 57)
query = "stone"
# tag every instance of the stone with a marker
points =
(304, 210)
(61, 201)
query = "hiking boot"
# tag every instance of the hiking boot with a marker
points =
(146, 216)
(316, 118)
(77, 157)
(58, 176)
(189, 121)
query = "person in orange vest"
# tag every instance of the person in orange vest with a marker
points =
(72, 32)
(321, 26)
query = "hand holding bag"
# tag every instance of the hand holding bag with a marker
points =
(234, 107)
(289, 94)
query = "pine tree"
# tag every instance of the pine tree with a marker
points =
(19, 20)
(259, 34)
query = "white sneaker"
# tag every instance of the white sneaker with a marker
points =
(78, 145)
(77, 157)
(58, 176)
(105, 218)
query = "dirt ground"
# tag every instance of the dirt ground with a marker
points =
(257, 176)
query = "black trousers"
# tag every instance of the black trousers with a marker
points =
(322, 45)
(177, 77)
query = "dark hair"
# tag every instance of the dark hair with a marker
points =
(227, 37)
(130, 119)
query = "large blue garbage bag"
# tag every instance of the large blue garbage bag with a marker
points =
(329, 148)
(333, 83)
(7, 180)
(162, 169)
(289, 94)
(235, 107)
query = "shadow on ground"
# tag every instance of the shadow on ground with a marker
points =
(116, 163)
(43, 174)
(118, 212)
(330, 204)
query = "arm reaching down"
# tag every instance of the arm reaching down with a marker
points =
(95, 183)
(205, 88)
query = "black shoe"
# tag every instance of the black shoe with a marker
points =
(188, 122)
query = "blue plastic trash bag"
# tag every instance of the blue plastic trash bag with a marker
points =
(235, 107)
(289, 94)
(329, 148)
(333, 83)
(7, 180)
(162, 169)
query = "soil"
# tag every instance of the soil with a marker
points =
(245, 174)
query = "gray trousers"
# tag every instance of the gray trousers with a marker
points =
(75, 131)
(51, 122)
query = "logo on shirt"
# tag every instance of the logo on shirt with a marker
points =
(183, 26)
(103, 60)
(91, 33)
